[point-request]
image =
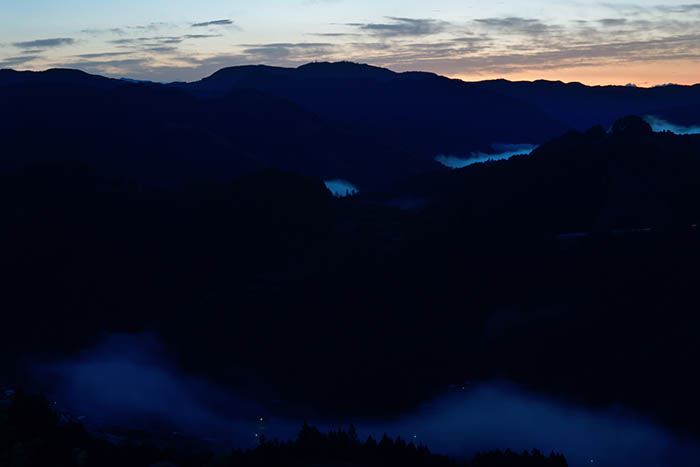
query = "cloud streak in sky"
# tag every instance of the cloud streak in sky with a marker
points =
(301, 51)
(14, 61)
(403, 27)
(614, 35)
(45, 43)
(518, 25)
(218, 22)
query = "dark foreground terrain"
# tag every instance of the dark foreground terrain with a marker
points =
(571, 272)
(32, 434)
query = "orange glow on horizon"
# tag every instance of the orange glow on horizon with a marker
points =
(647, 74)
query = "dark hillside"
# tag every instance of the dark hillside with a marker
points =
(580, 107)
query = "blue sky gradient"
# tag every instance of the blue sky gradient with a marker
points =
(644, 42)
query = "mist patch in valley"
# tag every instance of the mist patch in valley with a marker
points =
(500, 152)
(499, 415)
(341, 188)
(131, 381)
(659, 125)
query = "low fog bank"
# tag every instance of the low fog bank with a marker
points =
(341, 188)
(501, 151)
(129, 381)
(499, 415)
(659, 124)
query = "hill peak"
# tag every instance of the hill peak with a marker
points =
(243, 70)
(56, 76)
(632, 125)
(345, 69)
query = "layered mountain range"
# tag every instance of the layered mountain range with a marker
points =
(360, 123)
(197, 212)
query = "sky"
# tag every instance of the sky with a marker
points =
(643, 42)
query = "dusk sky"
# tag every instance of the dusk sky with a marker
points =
(646, 42)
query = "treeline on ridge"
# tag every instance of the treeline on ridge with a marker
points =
(33, 435)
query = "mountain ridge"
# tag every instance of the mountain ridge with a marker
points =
(393, 124)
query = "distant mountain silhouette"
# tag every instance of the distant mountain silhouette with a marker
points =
(163, 135)
(56, 76)
(423, 112)
(581, 107)
(361, 123)
(143, 206)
